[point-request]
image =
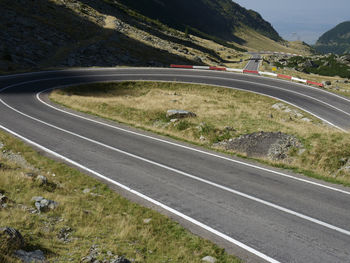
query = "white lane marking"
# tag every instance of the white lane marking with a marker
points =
(193, 177)
(168, 75)
(183, 146)
(200, 151)
(153, 201)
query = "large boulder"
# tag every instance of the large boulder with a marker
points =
(271, 145)
(36, 256)
(178, 114)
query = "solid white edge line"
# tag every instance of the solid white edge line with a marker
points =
(193, 177)
(155, 202)
(203, 152)
(183, 146)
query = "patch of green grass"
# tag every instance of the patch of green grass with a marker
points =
(243, 112)
(100, 217)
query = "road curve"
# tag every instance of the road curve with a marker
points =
(258, 213)
(254, 62)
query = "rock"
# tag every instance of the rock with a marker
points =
(30, 175)
(202, 138)
(43, 205)
(63, 234)
(120, 260)
(306, 119)
(345, 169)
(42, 180)
(3, 199)
(272, 145)
(178, 114)
(10, 239)
(36, 256)
(278, 106)
(86, 191)
(229, 128)
(147, 220)
(327, 83)
(197, 59)
(209, 259)
(88, 259)
(174, 120)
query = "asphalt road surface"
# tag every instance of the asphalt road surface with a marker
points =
(254, 62)
(258, 213)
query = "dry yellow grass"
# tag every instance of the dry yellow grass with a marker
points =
(100, 217)
(144, 104)
(258, 42)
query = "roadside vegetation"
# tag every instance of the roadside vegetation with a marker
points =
(222, 114)
(91, 220)
(330, 70)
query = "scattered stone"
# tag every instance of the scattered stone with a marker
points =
(44, 205)
(86, 191)
(327, 83)
(202, 138)
(120, 260)
(178, 114)
(278, 106)
(174, 120)
(345, 169)
(3, 199)
(36, 256)
(10, 239)
(88, 259)
(306, 119)
(64, 234)
(282, 107)
(42, 180)
(93, 253)
(229, 128)
(209, 259)
(198, 59)
(147, 220)
(30, 175)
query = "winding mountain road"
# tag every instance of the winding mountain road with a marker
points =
(254, 62)
(258, 213)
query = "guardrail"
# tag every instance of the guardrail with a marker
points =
(244, 71)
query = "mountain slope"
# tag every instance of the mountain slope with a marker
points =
(336, 40)
(219, 18)
(45, 34)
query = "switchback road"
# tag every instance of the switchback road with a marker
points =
(259, 213)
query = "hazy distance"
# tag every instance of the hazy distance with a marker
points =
(304, 20)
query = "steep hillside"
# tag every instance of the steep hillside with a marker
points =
(336, 40)
(219, 18)
(41, 34)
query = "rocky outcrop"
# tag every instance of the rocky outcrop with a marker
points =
(36, 256)
(179, 114)
(43, 205)
(272, 145)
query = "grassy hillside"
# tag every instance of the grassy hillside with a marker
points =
(336, 40)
